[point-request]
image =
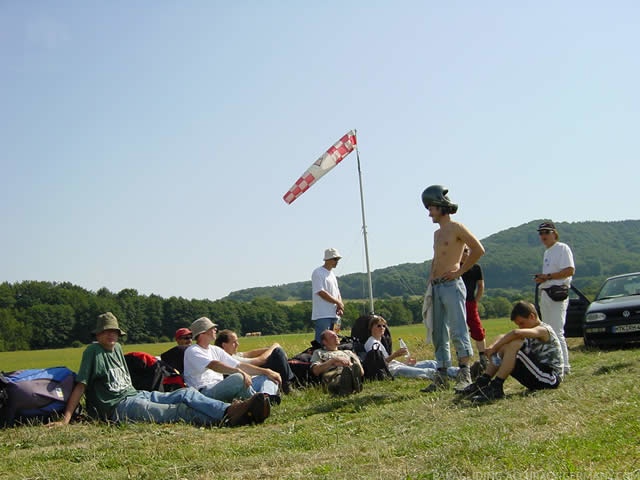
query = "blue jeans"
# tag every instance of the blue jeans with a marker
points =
(228, 389)
(422, 369)
(186, 404)
(450, 317)
(323, 324)
(233, 387)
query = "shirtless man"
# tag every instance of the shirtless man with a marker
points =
(449, 292)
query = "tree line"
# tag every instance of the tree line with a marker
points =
(38, 315)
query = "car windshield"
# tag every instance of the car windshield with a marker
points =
(620, 287)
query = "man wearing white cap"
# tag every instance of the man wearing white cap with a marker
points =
(205, 367)
(326, 302)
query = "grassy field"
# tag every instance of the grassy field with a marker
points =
(588, 428)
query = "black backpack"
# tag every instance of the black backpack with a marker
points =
(147, 372)
(375, 366)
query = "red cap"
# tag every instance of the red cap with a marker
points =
(181, 332)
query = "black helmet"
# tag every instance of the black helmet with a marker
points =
(436, 195)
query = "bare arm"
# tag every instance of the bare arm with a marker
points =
(477, 250)
(254, 370)
(479, 290)
(72, 404)
(564, 273)
(259, 356)
(518, 334)
(322, 367)
(329, 298)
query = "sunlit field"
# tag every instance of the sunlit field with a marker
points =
(586, 429)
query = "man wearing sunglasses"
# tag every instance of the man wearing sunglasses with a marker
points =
(557, 270)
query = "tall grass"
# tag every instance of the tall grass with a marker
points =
(588, 428)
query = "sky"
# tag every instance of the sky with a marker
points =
(148, 144)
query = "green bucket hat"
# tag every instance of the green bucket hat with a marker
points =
(107, 321)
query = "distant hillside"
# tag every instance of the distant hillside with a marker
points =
(600, 249)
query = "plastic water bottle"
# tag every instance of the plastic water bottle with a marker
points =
(337, 325)
(404, 345)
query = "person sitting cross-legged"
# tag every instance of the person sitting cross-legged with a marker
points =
(340, 370)
(531, 354)
(205, 367)
(104, 380)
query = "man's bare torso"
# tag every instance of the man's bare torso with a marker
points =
(448, 247)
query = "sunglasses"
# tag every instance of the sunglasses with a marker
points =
(186, 338)
(544, 232)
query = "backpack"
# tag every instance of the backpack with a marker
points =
(34, 395)
(375, 366)
(147, 372)
(301, 367)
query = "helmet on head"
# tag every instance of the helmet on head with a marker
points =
(436, 195)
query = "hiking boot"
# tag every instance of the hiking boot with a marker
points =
(480, 383)
(493, 391)
(254, 410)
(440, 382)
(346, 382)
(356, 370)
(463, 379)
(484, 361)
(476, 370)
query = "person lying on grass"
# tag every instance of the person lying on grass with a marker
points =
(340, 370)
(531, 354)
(105, 382)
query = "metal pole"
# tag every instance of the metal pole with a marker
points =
(364, 231)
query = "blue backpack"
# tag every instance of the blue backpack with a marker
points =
(34, 395)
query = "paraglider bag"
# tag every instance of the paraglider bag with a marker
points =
(557, 293)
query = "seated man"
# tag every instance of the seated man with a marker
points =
(104, 379)
(175, 358)
(531, 354)
(273, 357)
(340, 370)
(205, 367)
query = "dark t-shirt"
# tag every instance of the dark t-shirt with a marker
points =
(470, 279)
(175, 357)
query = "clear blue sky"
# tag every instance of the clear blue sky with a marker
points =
(148, 145)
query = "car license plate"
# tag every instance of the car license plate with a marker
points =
(626, 328)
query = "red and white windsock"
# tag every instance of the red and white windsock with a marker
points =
(326, 162)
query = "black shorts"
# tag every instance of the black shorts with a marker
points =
(533, 375)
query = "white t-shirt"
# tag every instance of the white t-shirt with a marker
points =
(557, 257)
(196, 359)
(323, 279)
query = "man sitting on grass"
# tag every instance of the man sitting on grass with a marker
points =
(531, 354)
(105, 381)
(273, 357)
(340, 370)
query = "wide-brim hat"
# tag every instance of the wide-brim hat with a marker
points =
(107, 321)
(331, 253)
(201, 325)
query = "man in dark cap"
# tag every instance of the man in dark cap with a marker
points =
(104, 380)
(448, 290)
(557, 270)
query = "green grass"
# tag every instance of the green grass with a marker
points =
(588, 428)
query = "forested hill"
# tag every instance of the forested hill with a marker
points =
(600, 249)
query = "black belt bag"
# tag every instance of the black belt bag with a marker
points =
(557, 293)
